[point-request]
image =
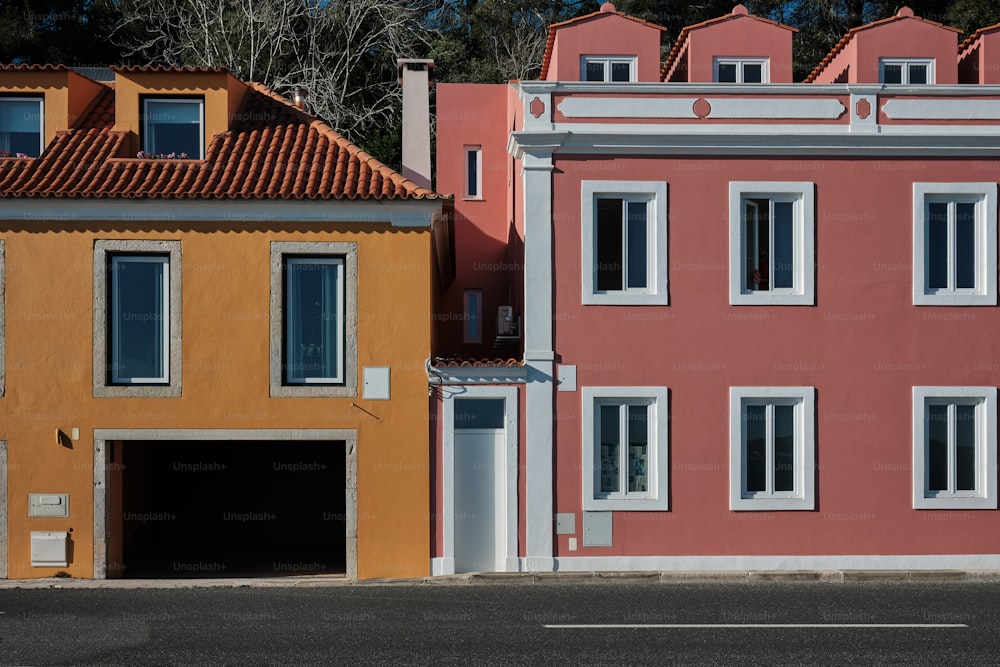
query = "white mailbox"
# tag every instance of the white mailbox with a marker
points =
(49, 549)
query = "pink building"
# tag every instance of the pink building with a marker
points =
(707, 318)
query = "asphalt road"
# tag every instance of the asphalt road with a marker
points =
(508, 624)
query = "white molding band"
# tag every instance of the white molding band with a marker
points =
(934, 109)
(779, 562)
(775, 108)
(719, 107)
(623, 107)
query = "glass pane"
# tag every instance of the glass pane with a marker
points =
(637, 240)
(753, 73)
(756, 452)
(610, 418)
(21, 127)
(892, 74)
(727, 72)
(479, 413)
(918, 73)
(139, 320)
(784, 448)
(472, 159)
(937, 447)
(609, 245)
(595, 71)
(763, 274)
(965, 448)
(173, 127)
(937, 245)
(621, 72)
(965, 245)
(638, 447)
(784, 245)
(311, 320)
(752, 278)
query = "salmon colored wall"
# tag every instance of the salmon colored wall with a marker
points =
(740, 37)
(904, 39)
(863, 346)
(475, 114)
(846, 59)
(605, 35)
(226, 311)
(223, 94)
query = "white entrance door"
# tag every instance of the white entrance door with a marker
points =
(480, 500)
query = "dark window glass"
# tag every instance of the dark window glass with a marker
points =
(756, 454)
(965, 245)
(937, 447)
(610, 272)
(937, 245)
(727, 72)
(753, 73)
(784, 448)
(479, 413)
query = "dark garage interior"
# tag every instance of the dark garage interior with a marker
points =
(233, 509)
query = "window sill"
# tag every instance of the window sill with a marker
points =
(771, 504)
(626, 299)
(626, 505)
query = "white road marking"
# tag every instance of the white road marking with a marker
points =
(755, 625)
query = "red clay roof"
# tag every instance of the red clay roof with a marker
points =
(128, 69)
(739, 11)
(484, 362)
(904, 13)
(272, 151)
(32, 68)
(606, 8)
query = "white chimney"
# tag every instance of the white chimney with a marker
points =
(414, 76)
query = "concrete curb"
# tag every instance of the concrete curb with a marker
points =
(762, 577)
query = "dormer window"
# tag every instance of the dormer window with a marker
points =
(741, 70)
(909, 71)
(21, 126)
(608, 68)
(174, 126)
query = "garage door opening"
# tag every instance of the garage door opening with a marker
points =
(193, 509)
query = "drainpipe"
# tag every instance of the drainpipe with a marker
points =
(414, 77)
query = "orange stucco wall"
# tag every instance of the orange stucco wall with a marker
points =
(66, 95)
(225, 296)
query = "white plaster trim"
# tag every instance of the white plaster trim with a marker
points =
(508, 522)
(622, 107)
(440, 566)
(657, 252)
(931, 109)
(4, 534)
(105, 436)
(986, 240)
(804, 291)
(240, 213)
(986, 449)
(658, 469)
(805, 449)
(777, 562)
(754, 108)
(702, 89)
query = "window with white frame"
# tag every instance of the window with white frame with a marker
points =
(772, 448)
(910, 71)
(625, 448)
(771, 247)
(954, 447)
(313, 319)
(174, 126)
(741, 70)
(137, 319)
(473, 316)
(21, 126)
(624, 242)
(955, 244)
(608, 68)
(473, 172)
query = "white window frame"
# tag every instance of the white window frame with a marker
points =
(985, 496)
(607, 61)
(765, 68)
(803, 292)
(804, 495)
(41, 118)
(985, 292)
(656, 243)
(174, 100)
(473, 187)
(657, 497)
(473, 307)
(904, 64)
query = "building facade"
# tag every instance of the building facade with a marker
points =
(215, 325)
(757, 315)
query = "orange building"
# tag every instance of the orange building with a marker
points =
(215, 320)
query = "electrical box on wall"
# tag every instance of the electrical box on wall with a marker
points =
(48, 504)
(376, 387)
(49, 549)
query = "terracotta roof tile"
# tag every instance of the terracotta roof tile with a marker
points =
(606, 8)
(484, 362)
(133, 69)
(739, 11)
(904, 13)
(974, 37)
(272, 151)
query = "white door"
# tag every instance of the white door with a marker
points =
(479, 500)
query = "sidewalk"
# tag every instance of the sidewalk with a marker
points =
(526, 578)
